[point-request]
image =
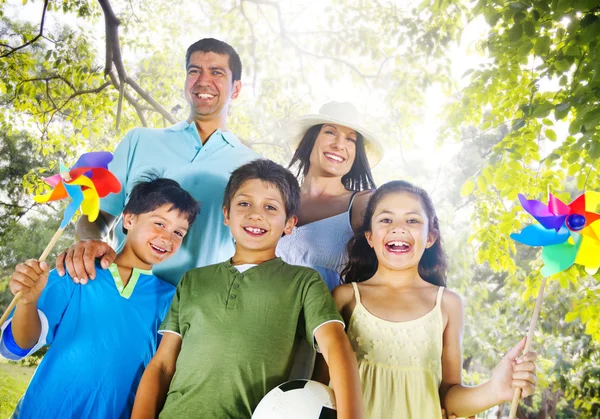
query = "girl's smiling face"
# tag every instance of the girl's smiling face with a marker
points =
(399, 231)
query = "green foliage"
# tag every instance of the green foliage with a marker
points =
(13, 382)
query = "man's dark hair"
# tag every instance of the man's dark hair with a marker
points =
(218, 47)
(152, 192)
(272, 173)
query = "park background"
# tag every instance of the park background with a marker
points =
(476, 101)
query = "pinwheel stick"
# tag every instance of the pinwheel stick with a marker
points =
(42, 258)
(536, 313)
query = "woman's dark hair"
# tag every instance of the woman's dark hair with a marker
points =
(362, 260)
(359, 178)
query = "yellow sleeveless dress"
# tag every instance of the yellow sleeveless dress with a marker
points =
(400, 363)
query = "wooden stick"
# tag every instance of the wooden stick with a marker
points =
(42, 258)
(536, 313)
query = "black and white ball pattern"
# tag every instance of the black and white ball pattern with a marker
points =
(297, 399)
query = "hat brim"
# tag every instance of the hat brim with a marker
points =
(297, 128)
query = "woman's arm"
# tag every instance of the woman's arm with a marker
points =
(465, 401)
(152, 391)
(359, 207)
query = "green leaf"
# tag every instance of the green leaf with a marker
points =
(571, 316)
(529, 28)
(591, 119)
(542, 110)
(467, 188)
(517, 6)
(551, 135)
(594, 150)
(515, 33)
(562, 65)
(562, 110)
(542, 45)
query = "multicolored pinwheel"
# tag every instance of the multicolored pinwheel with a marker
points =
(568, 233)
(86, 182)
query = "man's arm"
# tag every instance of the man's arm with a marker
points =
(343, 369)
(98, 230)
(152, 391)
(79, 258)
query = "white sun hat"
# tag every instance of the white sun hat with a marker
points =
(338, 113)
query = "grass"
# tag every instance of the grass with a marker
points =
(13, 382)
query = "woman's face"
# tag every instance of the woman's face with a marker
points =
(334, 151)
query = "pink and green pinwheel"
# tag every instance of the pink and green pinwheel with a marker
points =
(569, 233)
(86, 182)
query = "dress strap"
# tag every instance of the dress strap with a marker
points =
(439, 296)
(351, 201)
(356, 293)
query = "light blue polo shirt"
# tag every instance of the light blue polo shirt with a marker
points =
(203, 170)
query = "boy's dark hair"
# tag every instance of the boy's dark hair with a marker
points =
(362, 261)
(153, 191)
(270, 172)
(358, 178)
(218, 47)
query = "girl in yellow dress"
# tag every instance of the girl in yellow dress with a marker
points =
(405, 327)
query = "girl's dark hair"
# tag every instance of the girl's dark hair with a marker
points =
(359, 177)
(362, 261)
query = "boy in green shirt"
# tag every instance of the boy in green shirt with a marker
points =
(233, 328)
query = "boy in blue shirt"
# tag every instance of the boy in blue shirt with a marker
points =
(103, 335)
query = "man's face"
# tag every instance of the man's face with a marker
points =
(209, 87)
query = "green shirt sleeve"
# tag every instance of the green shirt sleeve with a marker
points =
(318, 308)
(171, 321)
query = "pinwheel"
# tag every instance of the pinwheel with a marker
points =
(85, 183)
(569, 234)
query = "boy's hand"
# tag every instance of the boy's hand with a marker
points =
(513, 372)
(79, 259)
(31, 278)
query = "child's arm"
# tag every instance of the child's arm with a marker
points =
(31, 278)
(152, 391)
(343, 296)
(343, 369)
(464, 401)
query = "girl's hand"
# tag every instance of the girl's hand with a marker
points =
(513, 372)
(31, 278)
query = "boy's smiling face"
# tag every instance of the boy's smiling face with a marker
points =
(257, 217)
(155, 236)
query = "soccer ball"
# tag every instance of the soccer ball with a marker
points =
(297, 399)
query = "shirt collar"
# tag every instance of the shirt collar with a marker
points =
(226, 136)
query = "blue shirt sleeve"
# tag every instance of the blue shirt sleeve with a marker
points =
(119, 166)
(51, 306)
(54, 301)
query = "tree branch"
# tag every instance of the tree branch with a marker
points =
(26, 44)
(132, 101)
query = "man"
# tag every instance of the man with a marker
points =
(199, 153)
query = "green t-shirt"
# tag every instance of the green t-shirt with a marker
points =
(239, 334)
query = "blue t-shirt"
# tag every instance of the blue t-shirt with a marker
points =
(101, 336)
(203, 170)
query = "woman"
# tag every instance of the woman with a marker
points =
(333, 158)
